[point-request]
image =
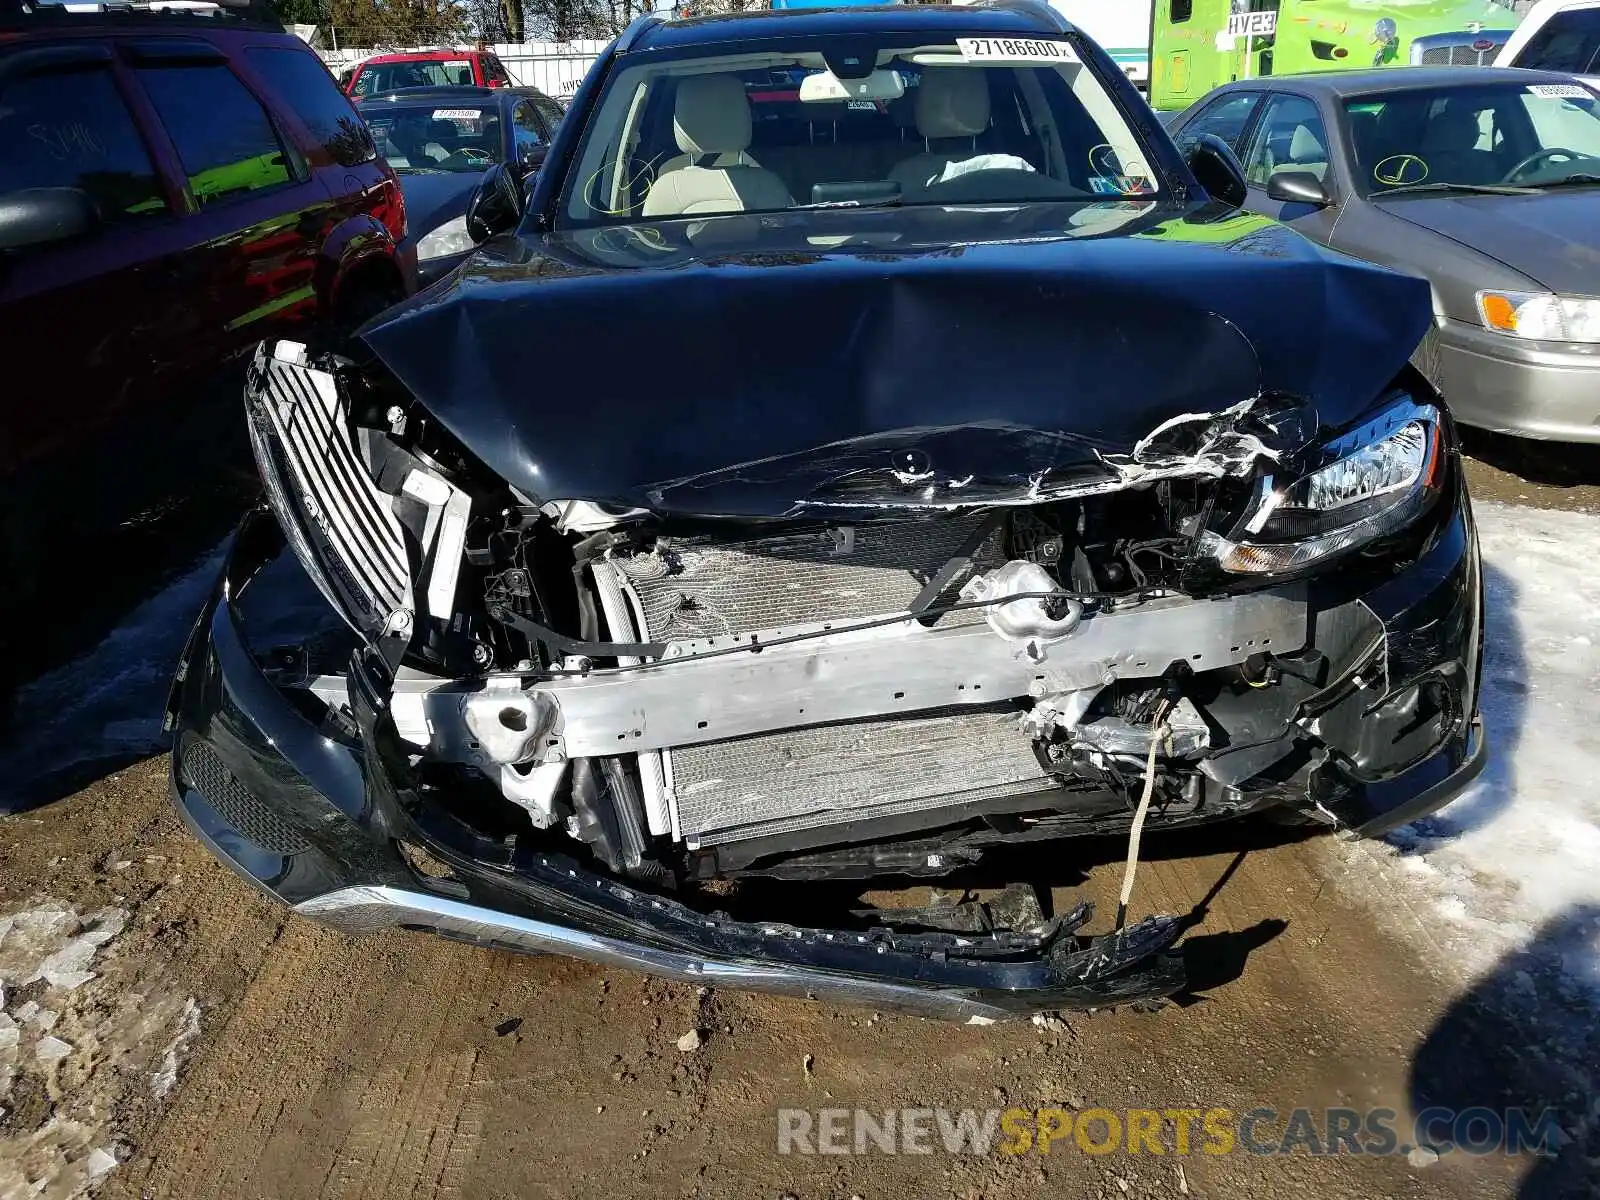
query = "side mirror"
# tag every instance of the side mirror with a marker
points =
(40, 216)
(1297, 187)
(496, 207)
(1215, 168)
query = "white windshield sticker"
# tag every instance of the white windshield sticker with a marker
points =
(1034, 50)
(1561, 91)
(457, 62)
(457, 114)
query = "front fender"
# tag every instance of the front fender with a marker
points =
(354, 243)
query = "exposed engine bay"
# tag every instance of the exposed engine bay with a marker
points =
(1013, 529)
(888, 691)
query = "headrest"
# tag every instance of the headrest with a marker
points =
(1456, 128)
(711, 115)
(1305, 146)
(952, 102)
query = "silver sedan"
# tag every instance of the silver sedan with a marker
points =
(1486, 182)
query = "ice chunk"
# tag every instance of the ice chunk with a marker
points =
(51, 1049)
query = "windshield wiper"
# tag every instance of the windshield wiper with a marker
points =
(1477, 189)
(883, 202)
(1578, 180)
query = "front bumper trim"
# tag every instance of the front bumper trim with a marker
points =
(370, 908)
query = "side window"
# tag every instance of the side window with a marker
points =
(494, 72)
(1569, 41)
(552, 113)
(1291, 137)
(303, 84)
(72, 129)
(526, 128)
(1226, 116)
(1182, 10)
(224, 137)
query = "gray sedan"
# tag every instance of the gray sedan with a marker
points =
(1484, 181)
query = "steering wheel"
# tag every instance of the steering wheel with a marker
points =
(1539, 158)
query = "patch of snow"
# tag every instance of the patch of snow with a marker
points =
(99, 1163)
(1519, 851)
(166, 1078)
(49, 1049)
(97, 1022)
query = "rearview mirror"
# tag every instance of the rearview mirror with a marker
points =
(825, 85)
(1297, 187)
(496, 207)
(40, 216)
(1211, 160)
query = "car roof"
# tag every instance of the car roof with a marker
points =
(441, 92)
(1005, 17)
(51, 19)
(1382, 80)
(420, 56)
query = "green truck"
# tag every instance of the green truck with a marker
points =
(1195, 45)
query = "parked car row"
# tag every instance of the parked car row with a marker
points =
(441, 141)
(1484, 181)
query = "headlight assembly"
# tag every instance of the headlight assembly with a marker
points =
(1540, 316)
(1371, 482)
(450, 238)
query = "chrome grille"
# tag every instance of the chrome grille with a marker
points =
(317, 480)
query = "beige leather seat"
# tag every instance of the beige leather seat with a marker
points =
(711, 124)
(1306, 153)
(952, 102)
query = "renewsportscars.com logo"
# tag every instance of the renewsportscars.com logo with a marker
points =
(1175, 1131)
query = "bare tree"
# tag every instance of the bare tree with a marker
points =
(399, 22)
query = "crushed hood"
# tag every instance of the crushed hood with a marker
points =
(759, 366)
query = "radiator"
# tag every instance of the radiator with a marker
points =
(835, 774)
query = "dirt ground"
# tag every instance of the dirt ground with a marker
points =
(405, 1066)
(226, 1049)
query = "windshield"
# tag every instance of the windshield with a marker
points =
(1522, 135)
(377, 78)
(844, 122)
(435, 136)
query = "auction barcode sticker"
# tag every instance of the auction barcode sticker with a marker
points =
(1562, 91)
(1015, 50)
(457, 114)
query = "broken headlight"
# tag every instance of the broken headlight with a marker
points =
(1370, 482)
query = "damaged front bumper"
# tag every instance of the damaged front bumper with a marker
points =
(1381, 729)
(311, 817)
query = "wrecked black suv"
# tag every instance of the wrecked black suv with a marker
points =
(874, 448)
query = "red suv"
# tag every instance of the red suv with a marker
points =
(427, 68)
(173, 189)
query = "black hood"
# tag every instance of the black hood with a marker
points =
(756, 366)
(1552, 238)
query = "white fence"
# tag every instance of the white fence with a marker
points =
(555, 68)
